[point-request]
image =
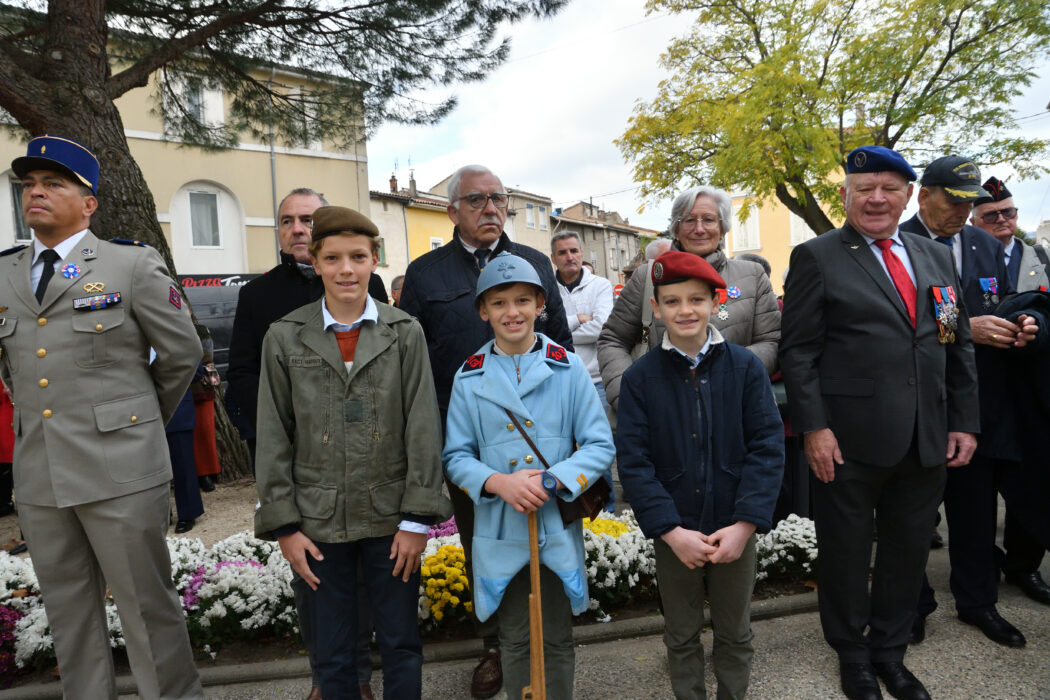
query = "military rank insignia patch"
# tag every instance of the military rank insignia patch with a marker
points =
(474, 362)
(174, 297)
(97, 301)
(557, 353)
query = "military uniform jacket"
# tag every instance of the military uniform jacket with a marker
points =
(557, 404)
(89, 407)
(853, 362)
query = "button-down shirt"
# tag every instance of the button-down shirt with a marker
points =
(694, 360)
(63, 249)
(1009, 249)
(898, 249)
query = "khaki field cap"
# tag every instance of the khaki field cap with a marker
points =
(332, 220)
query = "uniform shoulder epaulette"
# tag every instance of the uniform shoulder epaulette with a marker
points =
(557, 353)
(13, 249)
(128, 241)
(474, 362)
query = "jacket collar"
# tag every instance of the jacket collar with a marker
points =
(496, 387)
(717, 259)
(457, 242)
(374, 339)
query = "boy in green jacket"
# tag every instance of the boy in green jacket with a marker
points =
(349, 457)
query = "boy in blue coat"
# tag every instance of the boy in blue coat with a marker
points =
(551, 394)
(700, 451)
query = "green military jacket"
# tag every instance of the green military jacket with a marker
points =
(345, 455)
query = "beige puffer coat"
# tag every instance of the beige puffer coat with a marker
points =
(754, 319)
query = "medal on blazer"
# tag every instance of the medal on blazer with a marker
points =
(991, 291)
(96, 301)
(71, 271)
(723, 295)
(947, 313)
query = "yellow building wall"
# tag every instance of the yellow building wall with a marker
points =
(424, 224)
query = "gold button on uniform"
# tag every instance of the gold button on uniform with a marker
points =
(513, 462)
(47, 413)
(134, 419)
(41, 352)
(528, 459)
(41, 321)
(510, 426)
(43, 383)
(528, 424)
(98, 326)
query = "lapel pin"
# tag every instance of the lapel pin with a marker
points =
(854, 247)
(87, 251)
(71, 271)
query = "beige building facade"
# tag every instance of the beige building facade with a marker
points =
(608, 240)
(216, 208)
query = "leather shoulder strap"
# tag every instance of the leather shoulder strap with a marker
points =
(525, 435)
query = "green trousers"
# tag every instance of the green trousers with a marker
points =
(728, 588)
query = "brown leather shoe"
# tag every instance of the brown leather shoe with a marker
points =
(315, 693)
(366, 692)
(488, 676)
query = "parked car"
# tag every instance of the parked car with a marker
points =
(215, 307)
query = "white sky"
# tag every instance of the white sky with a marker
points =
(545, 121)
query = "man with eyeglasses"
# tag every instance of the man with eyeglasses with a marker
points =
(1027, 268)
(949, 187)
(439, 291)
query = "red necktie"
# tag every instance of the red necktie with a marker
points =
(901, 280)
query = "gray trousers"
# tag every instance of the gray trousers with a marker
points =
(728, 588)
(559, 654)
(76, 551)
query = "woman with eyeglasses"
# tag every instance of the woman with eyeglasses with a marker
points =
(700, 219)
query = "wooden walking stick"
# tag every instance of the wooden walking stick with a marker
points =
(537, 687)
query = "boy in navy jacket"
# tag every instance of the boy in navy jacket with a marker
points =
(700, 453)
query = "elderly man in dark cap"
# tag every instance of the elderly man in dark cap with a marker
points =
(949, 188)
(878, 363)
(78, 316)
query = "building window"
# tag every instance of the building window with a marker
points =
(204, 220)
(800, 230)
(612, 259)
(543, 218)
(382, 251)
(530, 216)
(193, 97)
(22, 232)
(436, 243)
(745, 233)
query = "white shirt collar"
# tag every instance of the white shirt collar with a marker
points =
(470, 248)
(371, 313)
(1008, 249)
(63, 249)
(713, 336)
(896, 238)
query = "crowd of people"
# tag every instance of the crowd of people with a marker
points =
(500, 384)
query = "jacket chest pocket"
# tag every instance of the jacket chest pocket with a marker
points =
(453, 308)
(7, 329)
(100, 326)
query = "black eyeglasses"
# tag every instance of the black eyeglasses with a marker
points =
(480, 201)
(990, 217)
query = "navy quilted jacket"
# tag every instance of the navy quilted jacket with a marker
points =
(439, 291)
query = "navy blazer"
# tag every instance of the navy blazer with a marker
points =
(853, 362)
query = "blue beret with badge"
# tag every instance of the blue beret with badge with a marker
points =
(878, 159)
(62, 155)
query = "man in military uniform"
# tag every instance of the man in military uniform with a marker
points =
(78, 317)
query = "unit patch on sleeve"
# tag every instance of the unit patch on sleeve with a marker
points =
(175, 298)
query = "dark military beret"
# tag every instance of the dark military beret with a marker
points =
(61, 155)
(329, 221)
(957, 176)
(878, 159)
(677, 266)
(996, 191)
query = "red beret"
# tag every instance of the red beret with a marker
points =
(678, 266)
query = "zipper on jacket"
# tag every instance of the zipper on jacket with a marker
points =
(327, 407)
(375, 409)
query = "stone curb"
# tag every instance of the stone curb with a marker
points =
(432, 653)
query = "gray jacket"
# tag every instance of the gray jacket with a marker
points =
(345, 455)
(754, 319)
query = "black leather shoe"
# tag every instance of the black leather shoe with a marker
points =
(1032, 585)
(206, 483)
(918, 630)
(184, 526)
(900, 681)
(859, 682)
(994, 627)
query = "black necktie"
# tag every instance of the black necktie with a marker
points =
(947, 240)
(49, 257)
(482, 254)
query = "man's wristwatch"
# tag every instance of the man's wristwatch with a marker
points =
(549, 482)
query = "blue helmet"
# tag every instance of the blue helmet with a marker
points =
(506, 269)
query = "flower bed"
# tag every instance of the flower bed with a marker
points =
(240, 588)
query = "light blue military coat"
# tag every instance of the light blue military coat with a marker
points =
(555, 402)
